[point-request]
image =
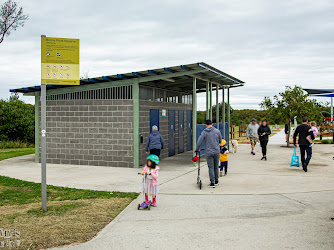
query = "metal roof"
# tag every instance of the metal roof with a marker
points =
(178, 78)
(321, 92)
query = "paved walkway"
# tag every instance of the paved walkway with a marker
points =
(278, 139)
(258, 205)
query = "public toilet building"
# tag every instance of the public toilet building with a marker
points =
(106, 120)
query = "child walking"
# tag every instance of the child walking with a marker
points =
(152, 170)
(315, 132)
(223, 158)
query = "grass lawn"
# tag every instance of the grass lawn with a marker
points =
(73, 216)
(13, 152)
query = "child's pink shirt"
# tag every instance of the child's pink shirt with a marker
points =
(154, 173)
(315, 132)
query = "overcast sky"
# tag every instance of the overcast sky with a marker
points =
(267, 44)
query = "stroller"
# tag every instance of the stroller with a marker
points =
(144, 205)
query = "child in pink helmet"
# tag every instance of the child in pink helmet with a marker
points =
(152, 170)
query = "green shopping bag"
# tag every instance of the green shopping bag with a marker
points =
(294, 159)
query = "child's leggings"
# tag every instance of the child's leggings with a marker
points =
(223, 165)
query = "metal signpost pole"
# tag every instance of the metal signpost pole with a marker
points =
(43, 145)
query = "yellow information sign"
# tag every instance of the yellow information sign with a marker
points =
(60, 61)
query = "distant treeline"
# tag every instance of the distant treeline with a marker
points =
(239, 117)
(244, 116)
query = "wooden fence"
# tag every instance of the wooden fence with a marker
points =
(242, 130)
(325, 131)
(232, 131)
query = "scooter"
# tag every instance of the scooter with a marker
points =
(144, 205)
(197, 159)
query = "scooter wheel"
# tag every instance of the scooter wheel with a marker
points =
(200, 184)
(138, 207)
(149, 206)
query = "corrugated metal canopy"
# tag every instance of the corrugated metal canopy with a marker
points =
(319, 91)
(326, 95)
(178, 78)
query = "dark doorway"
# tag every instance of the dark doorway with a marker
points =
(189, 130)
(171, 132)
(154, 118)
(181, 131)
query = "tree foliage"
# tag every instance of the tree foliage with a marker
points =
(17, 120)
(290, 103)
(11, 17)
(293, 102)
(244, 116)
(239, 117)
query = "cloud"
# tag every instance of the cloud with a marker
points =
(267, 44)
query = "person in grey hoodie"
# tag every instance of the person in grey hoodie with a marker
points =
(251, 133)
(154, 142)
(212, 138)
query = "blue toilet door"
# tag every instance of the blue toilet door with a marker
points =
(171, 132)
(154, 118)
(181, 131)
(189, 129)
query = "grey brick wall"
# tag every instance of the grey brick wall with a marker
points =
(90, 132)
(144, 124)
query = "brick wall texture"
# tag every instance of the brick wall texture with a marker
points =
(144, 125)
(90, 132)
(100, 132)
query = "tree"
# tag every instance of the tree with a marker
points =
(220, 112)
(244, 116)
(11, 17)
(293, 102)
(17, 120)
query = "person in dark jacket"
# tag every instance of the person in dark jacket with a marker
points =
(212, 138)
(302, 131)
(155, 142)
(264, 132)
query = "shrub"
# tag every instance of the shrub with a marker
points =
(17, 120)
(15, 144)
(326, 142)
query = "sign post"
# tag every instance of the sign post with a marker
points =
(59, 66)
(43, 145)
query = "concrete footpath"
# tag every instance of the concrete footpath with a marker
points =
(258, 205)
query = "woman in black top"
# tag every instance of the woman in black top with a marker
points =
(264, 132)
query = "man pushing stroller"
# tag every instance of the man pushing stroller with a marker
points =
(212, 138)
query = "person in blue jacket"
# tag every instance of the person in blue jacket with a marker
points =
(154, 142)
